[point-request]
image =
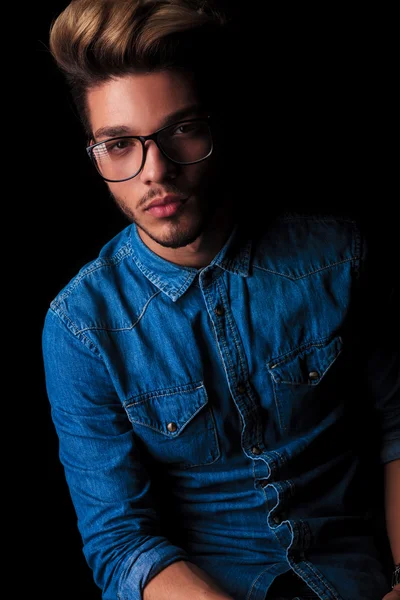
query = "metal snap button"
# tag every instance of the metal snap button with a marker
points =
(241, 388)
(256, 450)
(172, 427)
(313, 375)
(219, 310)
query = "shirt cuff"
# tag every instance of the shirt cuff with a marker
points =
(140, 570)
(390, 450)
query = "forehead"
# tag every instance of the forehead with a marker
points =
(140, 102)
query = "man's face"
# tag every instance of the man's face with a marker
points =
(140, 105)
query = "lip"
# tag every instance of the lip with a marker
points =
(166, 206)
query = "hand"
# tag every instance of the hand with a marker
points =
(394, 594)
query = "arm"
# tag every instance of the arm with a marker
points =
(392, 504)
(180, 581)
(383, 373)
(105, 470)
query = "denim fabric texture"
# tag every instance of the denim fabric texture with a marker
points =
(235, 416)
(290, 587)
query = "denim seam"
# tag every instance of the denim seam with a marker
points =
(171, 435)
(250, 592)
(281, 457)
(71, 326)
(322, 580)
(181, 389)
(279, 407)
(185, 285)
(243, 375)
(221, 341)
(243, 367)
(276, 486)
(242, 263)
(139, 263)
(227, 362)
(291, 278)
(217, 339)
(217, 445)
(94, 266)
(124, 328)
(170, 290)
(332, 357)
(320, 343)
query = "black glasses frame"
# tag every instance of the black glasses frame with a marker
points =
(154, 138)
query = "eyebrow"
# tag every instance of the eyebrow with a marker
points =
(119, 130)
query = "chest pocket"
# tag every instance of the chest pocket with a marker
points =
(305, 387)
(176, 425)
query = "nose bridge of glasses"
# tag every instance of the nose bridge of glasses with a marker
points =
(146, 143)
(158, 157)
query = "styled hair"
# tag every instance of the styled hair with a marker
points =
(93, 41)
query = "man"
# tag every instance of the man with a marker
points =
(222, 407)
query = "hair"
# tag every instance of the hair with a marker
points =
(93, 41)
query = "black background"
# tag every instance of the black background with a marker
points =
(324, 95)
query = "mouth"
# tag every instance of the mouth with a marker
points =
(166, 206)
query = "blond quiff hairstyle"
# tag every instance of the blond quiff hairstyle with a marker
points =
(95, 40)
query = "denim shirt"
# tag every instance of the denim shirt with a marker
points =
(234, 416)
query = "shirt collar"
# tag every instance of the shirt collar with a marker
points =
(174, 279)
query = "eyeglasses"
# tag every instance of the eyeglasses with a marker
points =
(122, 158)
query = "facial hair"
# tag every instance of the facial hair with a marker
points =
(178, 235)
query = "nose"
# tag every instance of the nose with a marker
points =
(157, 167)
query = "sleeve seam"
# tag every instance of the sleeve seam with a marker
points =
(72, 327)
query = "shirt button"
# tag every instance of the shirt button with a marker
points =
(241, 388)
(256, 450)
(172, 427)
(219, 310)
(313, 375)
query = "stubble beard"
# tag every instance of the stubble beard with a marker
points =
(178, 235)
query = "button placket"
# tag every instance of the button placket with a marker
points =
(219, 310)
(241, 388)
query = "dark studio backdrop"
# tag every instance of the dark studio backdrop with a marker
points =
(323, 90)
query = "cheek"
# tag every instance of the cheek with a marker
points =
(125, 191)
(202, 174)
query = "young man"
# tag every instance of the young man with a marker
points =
(223, 409)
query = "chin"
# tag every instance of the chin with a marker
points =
(175, 235)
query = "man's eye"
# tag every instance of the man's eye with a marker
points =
(116, 145)
(185, 128)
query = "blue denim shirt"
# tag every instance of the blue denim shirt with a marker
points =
(224, 415)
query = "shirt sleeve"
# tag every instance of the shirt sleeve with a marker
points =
(104, 466)
(380, 323)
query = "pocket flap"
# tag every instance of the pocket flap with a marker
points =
(167, 411)
(306, 365)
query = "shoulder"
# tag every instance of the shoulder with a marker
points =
(296, 244)
(94, 292)
(104, 266)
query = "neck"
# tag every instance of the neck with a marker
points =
(201, 252)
